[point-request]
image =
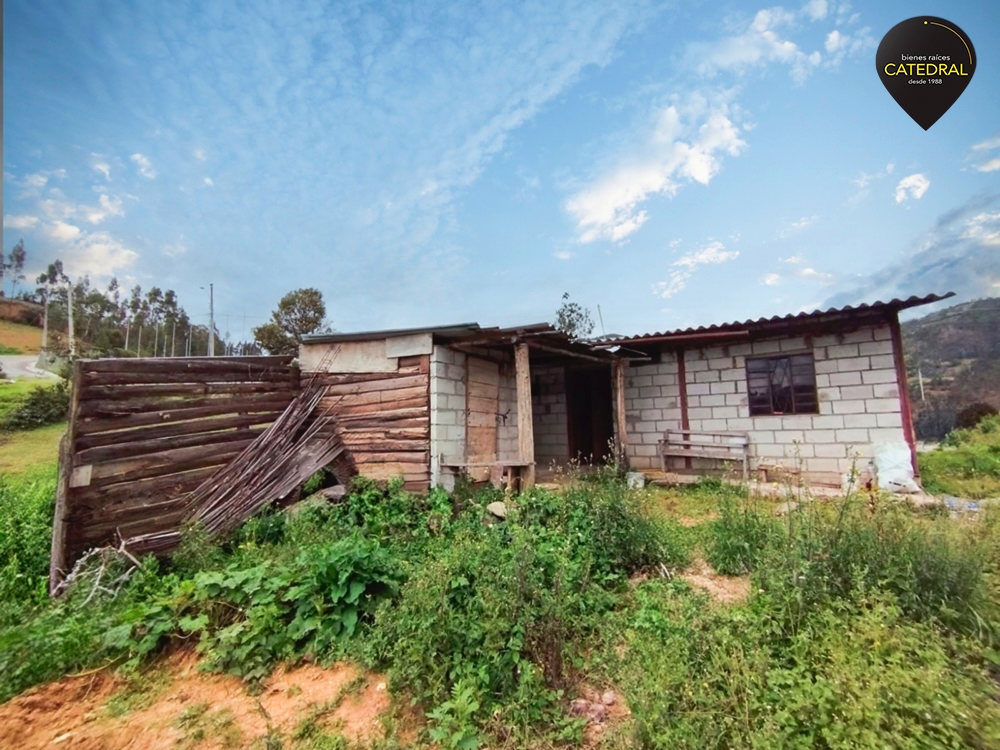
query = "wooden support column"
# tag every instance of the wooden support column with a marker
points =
(57, 552)
(618, 393)
(682, 384)
(904, 390)
(525, 429)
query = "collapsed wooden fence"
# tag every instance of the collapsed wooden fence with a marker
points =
(144, 433)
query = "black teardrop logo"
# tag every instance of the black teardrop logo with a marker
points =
(925, 63)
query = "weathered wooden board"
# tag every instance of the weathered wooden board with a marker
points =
(482, 405)
(143, 433)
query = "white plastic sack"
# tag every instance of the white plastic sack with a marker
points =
(895, 470)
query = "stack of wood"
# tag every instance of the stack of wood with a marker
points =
(304, 439)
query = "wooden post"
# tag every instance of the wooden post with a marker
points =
(685, 423)
(904, 391)
(618, 393)
(57, 554)
(525, 429)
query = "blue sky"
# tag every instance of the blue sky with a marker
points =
(675, 164)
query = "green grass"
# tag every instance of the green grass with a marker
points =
(967, 464)
(31, 451)
(869, 625)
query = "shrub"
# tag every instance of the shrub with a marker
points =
(741, 536)
(43, 405)
(26, 507)
(973, 414)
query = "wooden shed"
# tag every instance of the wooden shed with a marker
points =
(430, 403)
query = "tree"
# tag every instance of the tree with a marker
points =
(573, 319)
(299, 313)
(15, 266)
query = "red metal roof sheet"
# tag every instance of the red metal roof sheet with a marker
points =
(747, 325)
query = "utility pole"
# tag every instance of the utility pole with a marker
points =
(920, 379)
(69, 297)
(173, 339)
(211, 320)
(45, 321)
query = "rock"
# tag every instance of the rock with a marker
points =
(634, 480)
(590, 711)
(785, 508)
(597, 712)
(497, 509)
(609, 698)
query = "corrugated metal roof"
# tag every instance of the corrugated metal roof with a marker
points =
(455, 331)
(778, 320)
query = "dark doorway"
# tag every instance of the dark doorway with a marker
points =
(589, 416)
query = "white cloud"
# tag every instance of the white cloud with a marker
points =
(759, 44)
(685, 266)
(22, 221)
(199, 154)
(771, 279)
(36, 181)
(176, 249)
(793, 259)
(108, 207)
(913, 187)
(59, 210)
(813, 275)
(714, 252)
(99, 164)
(144, 165)
(865, 179)
(60, 231)
(685, 144)
(984, 229)
(990, 144)
(564, 254)
(797, 226)
(816, 9)
(834, 41)
(209, 181)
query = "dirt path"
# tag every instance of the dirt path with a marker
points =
(177, 706)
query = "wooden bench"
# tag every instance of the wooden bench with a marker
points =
(719, 446)
(481, 469)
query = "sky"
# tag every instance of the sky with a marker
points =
(667, 164)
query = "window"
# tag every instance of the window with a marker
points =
(782, 385)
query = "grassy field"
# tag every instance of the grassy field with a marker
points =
(967, 464)
(30, 451)
(17, 338)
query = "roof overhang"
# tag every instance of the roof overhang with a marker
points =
(818, 321)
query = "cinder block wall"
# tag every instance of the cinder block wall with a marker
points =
(652, 405)
(447, 411)
(858, 403)
(548, 406)
(507, 414)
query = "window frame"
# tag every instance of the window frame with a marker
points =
(813, 409)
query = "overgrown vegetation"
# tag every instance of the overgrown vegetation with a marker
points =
(968, 462)
(870, 625)
(25, 408)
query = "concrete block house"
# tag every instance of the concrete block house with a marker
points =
(810, 394)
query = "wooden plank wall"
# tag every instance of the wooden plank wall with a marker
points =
(385, 420)
(143, 433)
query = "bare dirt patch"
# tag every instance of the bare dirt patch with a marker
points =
(195, 709)
(725, 589)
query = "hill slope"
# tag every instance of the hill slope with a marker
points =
(957, 351)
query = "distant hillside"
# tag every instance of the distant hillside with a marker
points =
(957, 351)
